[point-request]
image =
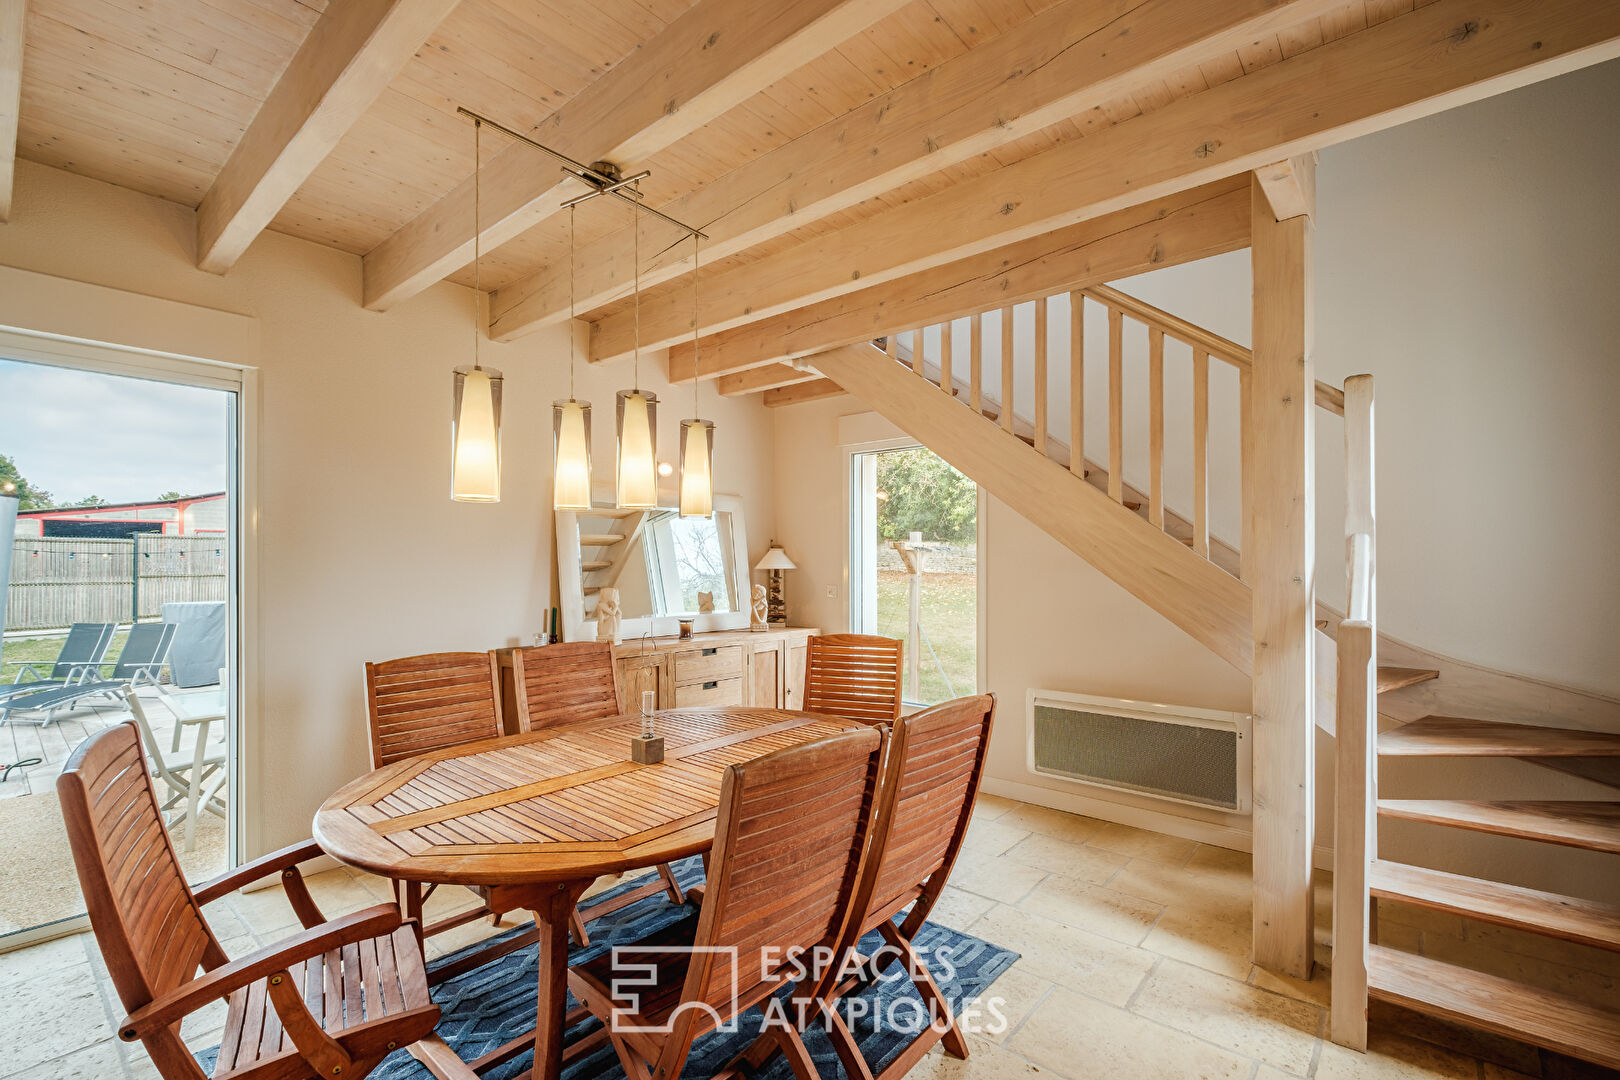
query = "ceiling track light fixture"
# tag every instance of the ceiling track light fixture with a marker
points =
(476, 426)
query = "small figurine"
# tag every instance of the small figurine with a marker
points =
(705, 603)
(759, 609)
(607, 616)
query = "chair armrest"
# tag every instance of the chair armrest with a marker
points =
(274, 863)
(224, 980)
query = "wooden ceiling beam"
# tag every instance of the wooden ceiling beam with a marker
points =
(714, 57)
(770, 377)
(1070, 58)
(347, 60)
(1166, 232)
(1435, 57)
(1290, 186)
(815, 390)
(11, 59)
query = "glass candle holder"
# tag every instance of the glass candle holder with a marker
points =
(649, 707)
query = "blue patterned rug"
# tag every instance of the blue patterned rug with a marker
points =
(494, 1004)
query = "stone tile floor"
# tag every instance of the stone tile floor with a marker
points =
(1134, 966)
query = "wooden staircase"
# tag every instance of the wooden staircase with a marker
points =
(1172, 562)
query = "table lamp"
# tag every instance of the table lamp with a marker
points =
(774, 562)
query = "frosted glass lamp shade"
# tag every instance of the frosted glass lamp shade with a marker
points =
(775, 559)
(475, 436)
(571, 450)
(636, 480)
(697, 468)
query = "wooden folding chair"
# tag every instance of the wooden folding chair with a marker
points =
(330, 1001)
(855, 676)
(565, 684)
(430, 702)
(789, 845)
(930, 782)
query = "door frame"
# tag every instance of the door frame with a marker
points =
(242, 380)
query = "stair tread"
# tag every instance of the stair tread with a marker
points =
(1573, 823)
(1492, 1003)
(599, 539)
(1456, 736)
(1399, 678)
(1567, 917)
(588, 565)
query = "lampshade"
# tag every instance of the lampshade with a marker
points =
(697, 468)
(637, 473)
(571, 449)
(475, 436)
(775, 559)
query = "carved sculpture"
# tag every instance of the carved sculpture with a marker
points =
(759, 608)
(705, 603)
(607, 616)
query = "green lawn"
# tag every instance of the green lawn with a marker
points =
(43, 650)
(949, 618)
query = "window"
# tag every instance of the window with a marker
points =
(914, 566)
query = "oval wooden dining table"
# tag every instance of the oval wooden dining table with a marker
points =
(534, 819)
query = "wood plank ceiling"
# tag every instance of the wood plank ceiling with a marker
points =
(156, 95)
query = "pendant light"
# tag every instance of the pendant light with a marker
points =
(636, 475)
(571, 422)
(697, 436)
(475, 414)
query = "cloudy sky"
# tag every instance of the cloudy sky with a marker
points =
(78, 433)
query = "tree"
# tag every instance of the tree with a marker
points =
(924, 494)
(91, 500)
(169, 496)
(13, 482)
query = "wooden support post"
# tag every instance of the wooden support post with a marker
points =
(1077, 383)
(946, 377)
(1280, 556)
(1355, 830)
(917, 350)
(976, 364)
(1156, 427)
(1116, 405)
(1040, 374)
(1007, 368)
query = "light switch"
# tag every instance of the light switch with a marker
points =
(832, 592)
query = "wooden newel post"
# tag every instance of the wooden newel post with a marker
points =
(911, 554)
(1279, 565)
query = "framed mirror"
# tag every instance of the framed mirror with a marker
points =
(659, 562)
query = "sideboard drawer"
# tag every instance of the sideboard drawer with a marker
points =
(707, 665)
(709, 694)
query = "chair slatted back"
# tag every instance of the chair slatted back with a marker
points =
(429, 702)
(86, 643)
(150, 930)
(559, 684)
(931, 779)
(147, 645)
(789, 844)
(856, 676)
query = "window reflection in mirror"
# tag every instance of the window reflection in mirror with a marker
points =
(672, 560)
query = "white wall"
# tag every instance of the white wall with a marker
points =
(1465, 260)
(362, 554)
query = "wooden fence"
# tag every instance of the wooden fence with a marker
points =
(59, 581)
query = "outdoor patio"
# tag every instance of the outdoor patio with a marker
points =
(40, 885)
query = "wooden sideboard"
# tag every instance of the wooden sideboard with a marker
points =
(722, 667)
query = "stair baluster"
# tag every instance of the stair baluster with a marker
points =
(1077, 383)
(1200, 451)
(1007, 368)
(976, 364)
(1156, 427)
(1040, 375)
(1116, 404)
